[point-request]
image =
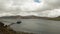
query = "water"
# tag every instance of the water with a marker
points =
(35, 25)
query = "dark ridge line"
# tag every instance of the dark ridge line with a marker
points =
(32, 17)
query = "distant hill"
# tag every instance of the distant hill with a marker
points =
(32, 17)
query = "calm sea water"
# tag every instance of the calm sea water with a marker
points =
(35, 25)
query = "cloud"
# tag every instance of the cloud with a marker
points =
(49, 4)
(20, 7)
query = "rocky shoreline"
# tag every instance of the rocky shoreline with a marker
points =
(8, 30)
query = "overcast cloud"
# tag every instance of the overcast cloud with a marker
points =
(45, 8)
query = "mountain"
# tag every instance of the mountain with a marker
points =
(31, 17)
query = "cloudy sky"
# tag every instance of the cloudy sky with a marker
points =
(42, 8)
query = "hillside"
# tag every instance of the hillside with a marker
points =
(31, 17)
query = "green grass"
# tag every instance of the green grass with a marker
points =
(56, 19)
